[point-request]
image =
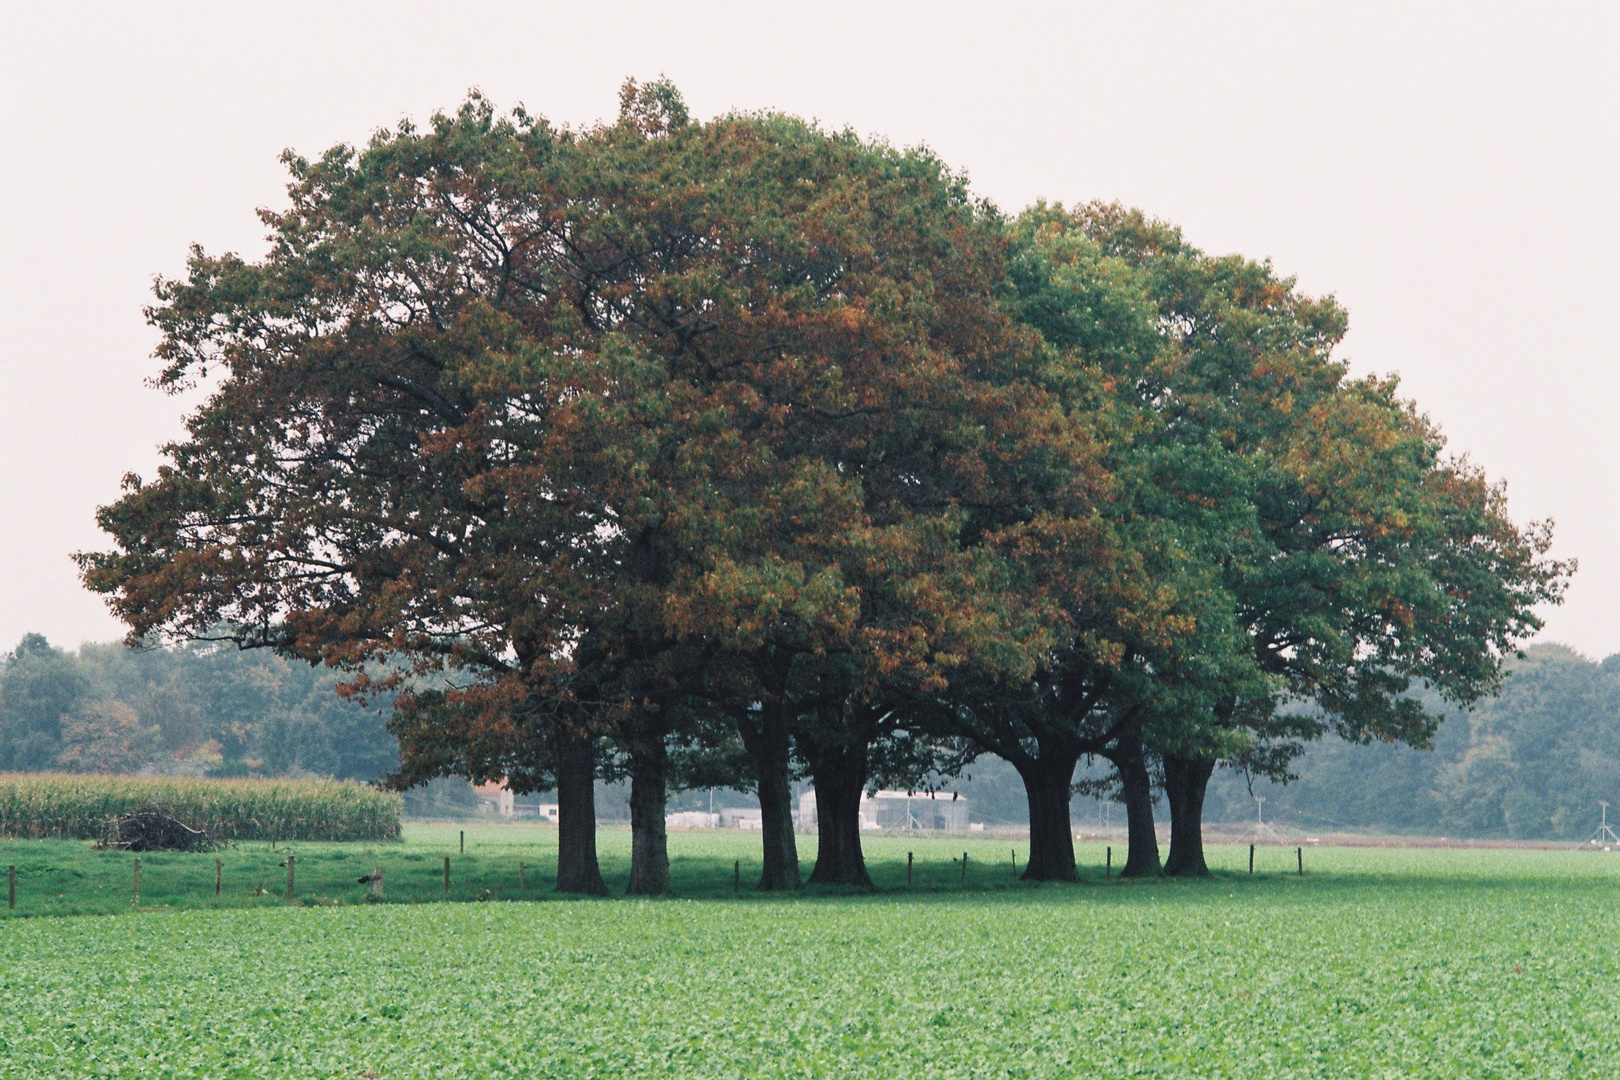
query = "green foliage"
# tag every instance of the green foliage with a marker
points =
(1529, 763)
(1355, 555)
(40, 686)
(1384, 963)
(63, 805)
(106, 737)
(192, 709)
(641, 426)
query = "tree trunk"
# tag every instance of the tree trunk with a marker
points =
(840, 777)
(577, 869)
(1142, 857)
(1185, 782)
(1047, 782)
(766, 740)
(649, 844)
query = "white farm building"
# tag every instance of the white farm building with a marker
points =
(940, 811)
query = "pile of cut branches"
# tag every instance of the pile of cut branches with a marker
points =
(145, 829)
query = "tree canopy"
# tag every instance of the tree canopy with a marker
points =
(198, 709)
(773, 446)
(1356, 560)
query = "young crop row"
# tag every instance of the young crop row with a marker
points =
(1422, 965)
(35, 805)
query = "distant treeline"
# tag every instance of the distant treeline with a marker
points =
(197, 710)
(1531, 763)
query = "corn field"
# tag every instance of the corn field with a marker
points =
(37, 805)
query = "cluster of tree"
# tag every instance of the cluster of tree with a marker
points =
(200, 709)
(725, 452)
(1532, 762)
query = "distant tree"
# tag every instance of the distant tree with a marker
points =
(1531, 761)
(106, 737)
(187, 709)
(40, 687)
(166, 691)
(320, 732)
(1540, 755)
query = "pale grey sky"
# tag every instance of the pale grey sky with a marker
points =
(1449, 171)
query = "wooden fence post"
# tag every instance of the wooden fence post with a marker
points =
(736, 875)
(447, 875)
(376, 881)
(463, 841)
(290, 861)
(1108, 862)
(908, 869)
(963, 883)
(1301, 853)
(1251, 858)
(219, 875)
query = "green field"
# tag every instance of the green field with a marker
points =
(1379, 962)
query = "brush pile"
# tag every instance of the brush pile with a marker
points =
(145, 829)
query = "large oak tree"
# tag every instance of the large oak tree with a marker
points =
(550, 432)
(1358, 559)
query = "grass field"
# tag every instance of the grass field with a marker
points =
(1379, 962)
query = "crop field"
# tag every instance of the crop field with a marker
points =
(73, 806)
(1376, 963)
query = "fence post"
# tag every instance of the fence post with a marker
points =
(219, 875)
(736, 875)
(1301, 853)
(908, 869)
(135, 901)
(520, 878)
(1251, 858)
(463, 841)
(1108, 862)
(290, 861)
(11, 887)
(376, 881)
(963, 883)
(447, 875)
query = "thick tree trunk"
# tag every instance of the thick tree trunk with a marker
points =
(1142, 857)
(649, 845)
(765, 737)
(1185, 782)
(840, 777)
(1047, 783)
(577, 869)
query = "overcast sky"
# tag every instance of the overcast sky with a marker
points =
(1449, 172)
